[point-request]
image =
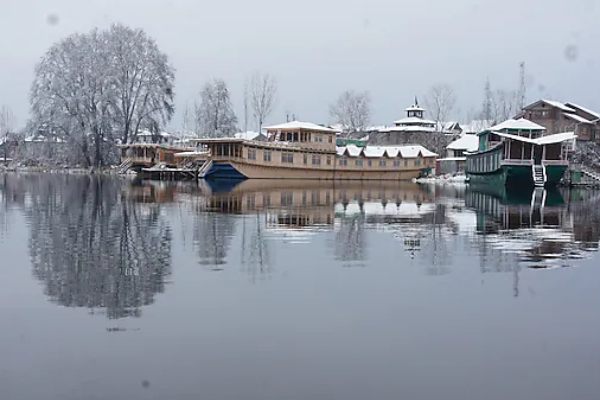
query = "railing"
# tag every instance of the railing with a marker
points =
(555, 162)
(517, 162)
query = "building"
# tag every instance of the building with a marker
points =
(559, 117)
(413, 122)
(456, 154)
(520, 154)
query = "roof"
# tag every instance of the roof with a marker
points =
(549, 139)
(415, 108)
(411, 151)
(301, 125)
(408, 128)
(250, 135)
(585, 110)
(521, 124)
(477, 125)
(146, 132)
(558, 104)
(577, 118)
(465, 142)
(414, 120)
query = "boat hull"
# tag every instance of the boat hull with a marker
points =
(238, 170)
(517, 176)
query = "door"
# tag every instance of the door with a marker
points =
(538, 152)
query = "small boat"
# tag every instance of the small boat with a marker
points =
(519, 153)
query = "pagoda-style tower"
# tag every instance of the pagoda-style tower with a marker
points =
(415, 111)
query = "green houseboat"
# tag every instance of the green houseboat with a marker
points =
(519, 153)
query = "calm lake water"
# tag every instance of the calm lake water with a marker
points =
(116, 289)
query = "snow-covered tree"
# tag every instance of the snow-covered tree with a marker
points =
(7, 125)
(440, 101)
(262, 91)
(143, 81)
(352, 110)
(215, 114)
(99, 88)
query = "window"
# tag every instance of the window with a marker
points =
(417, 163)
(406, 163)
(305, 159)
(359, 162)
(316, 159)
(267, 155)
(343, 161)
(287, 198)
(330, 139)
(251, 154)
(370, 163)
(287, 158)
(396, 163)
(382, 163)
(328, 160)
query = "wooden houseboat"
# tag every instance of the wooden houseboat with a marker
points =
(159, 154)
(519, 153)
(303, 150)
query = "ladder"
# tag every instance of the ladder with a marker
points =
(539, 175)
(124, 166)
(204, 169)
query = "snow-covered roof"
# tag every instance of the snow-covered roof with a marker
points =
(410, 128)
(549, 139)
(301, 125)
(585, 110)
(450, 125)
(43, 139)
(476, 125)
(558, 104)
(577, 118)
(250, 135)
(411, 151)
(414, 120)
(465, 142)
(146, 132)
(521, 124)
(415, 108)
(191, 153)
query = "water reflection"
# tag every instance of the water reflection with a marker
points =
(93, 242)
(106, 244)
(540, 228)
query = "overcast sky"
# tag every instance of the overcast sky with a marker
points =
(395, 49)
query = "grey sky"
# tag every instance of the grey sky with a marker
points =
(318, 48)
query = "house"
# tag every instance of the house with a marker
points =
(451, 128)
(456, 153)
(559, 117)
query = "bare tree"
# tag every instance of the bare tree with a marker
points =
(352, 110)
(504, 105)
(440, 101)
(246, 104)
(486, 112)
(263, 89)
(522, 92)
(215, 114)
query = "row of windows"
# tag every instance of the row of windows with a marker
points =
(359, 162)
(315, 159)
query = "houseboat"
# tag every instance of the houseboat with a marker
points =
(157, 154)
(519, 153)
(303, 150)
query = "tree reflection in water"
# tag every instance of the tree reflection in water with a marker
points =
(93, 247)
